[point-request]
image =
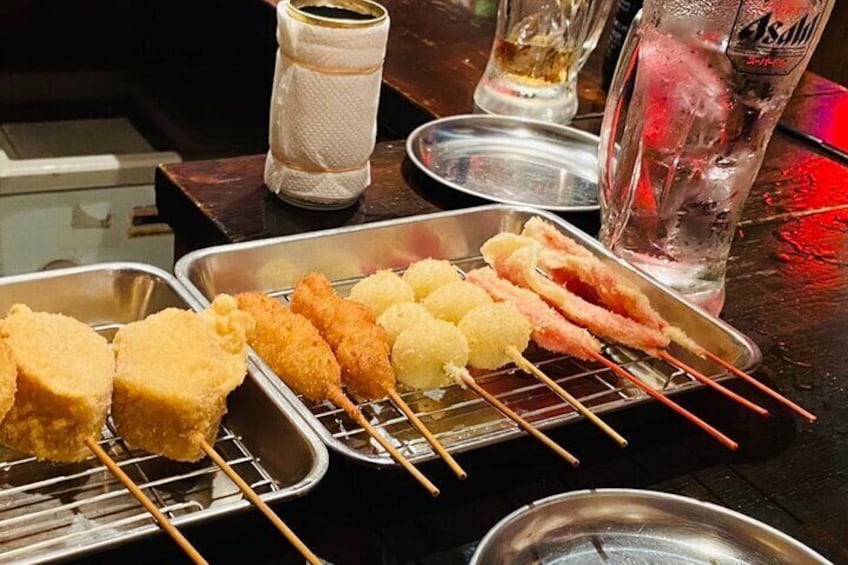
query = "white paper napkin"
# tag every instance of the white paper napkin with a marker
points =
(323, 121)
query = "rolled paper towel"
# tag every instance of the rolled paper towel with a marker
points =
(324, 101)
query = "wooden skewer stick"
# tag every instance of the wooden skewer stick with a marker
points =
(769, 391)
(258, 502)
(139, 495)
(674, 361)
(465, 378)
(428, 435)
(338, 398)
(660, 397)
(525, 365)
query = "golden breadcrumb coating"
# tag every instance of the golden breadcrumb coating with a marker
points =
(64, 384)
(291, 346)
(427, 275)
(175, 369)
(381, 290)
(8, 379)
(361, 346)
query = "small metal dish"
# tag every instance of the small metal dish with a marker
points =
(634, 526)
(510, 160)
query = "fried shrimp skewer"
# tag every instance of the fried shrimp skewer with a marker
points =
(362, 348)
(553, 332)
(295, 350)
(569, 263)
(516, 258)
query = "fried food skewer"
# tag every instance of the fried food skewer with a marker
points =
(65, 372)
(497, 334)
(516, 258)
(567, 261)
(553, 332)
(295, 350)
(175, 370)
(361, 346)
(432, 354)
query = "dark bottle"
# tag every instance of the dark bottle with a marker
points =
(625, 11)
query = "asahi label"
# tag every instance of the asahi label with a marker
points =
(773, 37)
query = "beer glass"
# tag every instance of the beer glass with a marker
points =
(678, 156)
(539, 47)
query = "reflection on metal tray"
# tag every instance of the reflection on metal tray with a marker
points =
(619, 526)
(461, 420)
(510, 160)
(50, 511)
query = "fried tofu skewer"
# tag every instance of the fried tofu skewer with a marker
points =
(175, 370)
(362, 348)
(553, 332)
(65, 375)
(295, 350)
(516, 258)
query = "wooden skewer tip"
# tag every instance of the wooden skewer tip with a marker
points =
(148, 505)
(254, 498)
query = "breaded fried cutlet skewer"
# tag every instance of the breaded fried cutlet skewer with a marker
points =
(175, 370)
(8, 379)
(64, 374)
(295, 350)
(362, 348)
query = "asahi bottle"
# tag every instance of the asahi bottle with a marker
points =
(622, 16)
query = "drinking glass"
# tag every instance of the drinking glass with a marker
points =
(539, 47)
(712, 78)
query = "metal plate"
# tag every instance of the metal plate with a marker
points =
(510, 160)
(50, 511)
(459, 419)
(621, 526)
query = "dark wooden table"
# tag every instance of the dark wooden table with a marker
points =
(787, 289)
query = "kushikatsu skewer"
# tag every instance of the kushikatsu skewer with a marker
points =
(64, 390)
(434, 353)
(553, 332)
(361, 346)
(174, 372)
(571, 262)
(294, 349)
(517, 257)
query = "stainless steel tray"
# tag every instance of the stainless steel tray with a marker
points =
(510, 160)
(459, 419)
(50, 511)
(634, 526)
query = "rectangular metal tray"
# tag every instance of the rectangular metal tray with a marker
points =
(460, 420)
(51, 511)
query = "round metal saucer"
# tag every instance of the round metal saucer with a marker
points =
(510, 160)
(624, 526)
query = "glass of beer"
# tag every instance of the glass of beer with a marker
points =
(539, 47)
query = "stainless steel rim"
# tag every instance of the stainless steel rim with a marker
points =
(640, 493)
(412, 140)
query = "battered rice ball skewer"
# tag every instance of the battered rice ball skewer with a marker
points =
(498, 334)
(381, 290)
(427, 275)
(432, 354)
(453, 301)
(401, 316)
(295, 350)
